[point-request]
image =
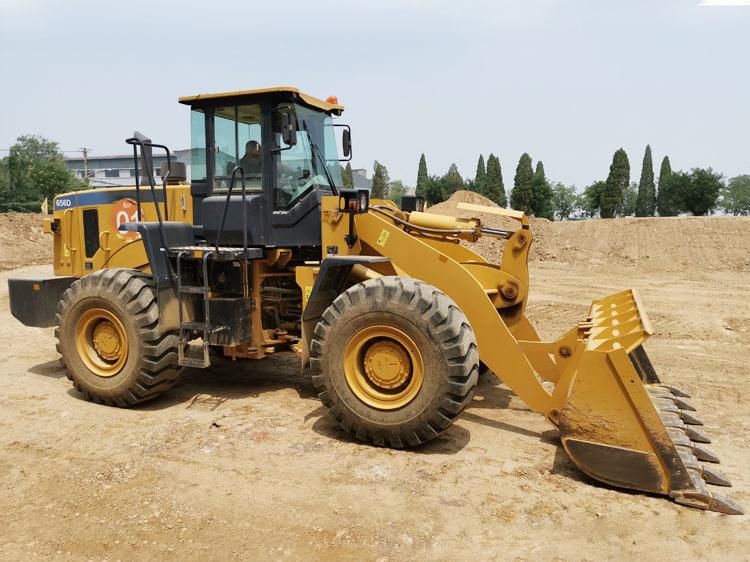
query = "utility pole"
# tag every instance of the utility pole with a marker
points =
(85, 152)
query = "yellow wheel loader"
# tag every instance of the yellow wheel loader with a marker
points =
(264, 252)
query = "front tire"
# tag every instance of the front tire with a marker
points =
(394, 360)
(110, 341)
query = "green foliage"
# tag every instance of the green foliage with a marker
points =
(617, 182)
(493, 182)
(380, 181)
(735, 197)
(667, 201)
(564, 199)
(396, 190)
(479, 178)
(453, 181)
(522, 193)
(435, 187)
(629, 200)
(4, 177)
(34, 170)
(646, 202)
(17, 207)
(698, 191)
(422, 178)
(542, 204)
(591, 199)
(347, 176)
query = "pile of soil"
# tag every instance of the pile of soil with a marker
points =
(656, 244)
(22, 241)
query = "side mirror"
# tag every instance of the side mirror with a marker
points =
(288, 128)
(346, 141)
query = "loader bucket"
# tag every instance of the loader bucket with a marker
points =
(621, 425)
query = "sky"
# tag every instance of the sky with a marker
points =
(568, 82)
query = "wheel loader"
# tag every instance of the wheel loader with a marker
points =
(263, 251)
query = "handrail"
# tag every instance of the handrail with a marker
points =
(136, 142)
(226, 207)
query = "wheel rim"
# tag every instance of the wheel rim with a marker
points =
(383, 367)
(101, 342)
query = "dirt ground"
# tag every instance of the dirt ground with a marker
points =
(243, 463)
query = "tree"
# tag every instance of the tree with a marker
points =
(422, 178)
(4, 177)
(521, 195)
(541, 194)
(629, 200)
(564, 199)
(434, 189)
(479, 178)
(347, 176)
(396, 190)
(35, 170)
(645, 205)
(380, 181)
(493, 182)
(453, 181)
(617, 181)
(735, 197)
(667, 201)
(699, 190)
(591, 200)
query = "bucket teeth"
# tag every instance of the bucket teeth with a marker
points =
(666, 405)
(705, 454)
(696, 435)
(683, 404)
(689, 418)
(709, 501)
(715, 477)
(676, 391)
(725, 505)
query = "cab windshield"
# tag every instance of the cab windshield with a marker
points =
(301, 167)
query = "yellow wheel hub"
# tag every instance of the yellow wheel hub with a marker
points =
(101, 342)
(383, 367)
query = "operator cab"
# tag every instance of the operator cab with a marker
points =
(286, 144)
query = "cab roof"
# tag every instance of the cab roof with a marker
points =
(294, 92)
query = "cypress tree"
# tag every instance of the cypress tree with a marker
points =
(645, 204)
(348, 176)
(617, 182)
(493, 182)
(522, 193)
(423, 179)
(380, 181)
(542, 204)
(667, 202)
(479, 178)
(453, 181)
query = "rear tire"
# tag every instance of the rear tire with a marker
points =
(394, 360)
(110, 341)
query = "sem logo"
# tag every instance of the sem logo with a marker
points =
(63, 203)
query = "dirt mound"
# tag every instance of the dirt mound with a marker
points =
(22, 241)
(653, 244)
(492, 248)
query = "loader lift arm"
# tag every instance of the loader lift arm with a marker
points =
(617, 421)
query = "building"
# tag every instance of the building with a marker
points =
(360, 179)
(118, 170)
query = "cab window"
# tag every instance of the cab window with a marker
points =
(237, 133)
(300, 168)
